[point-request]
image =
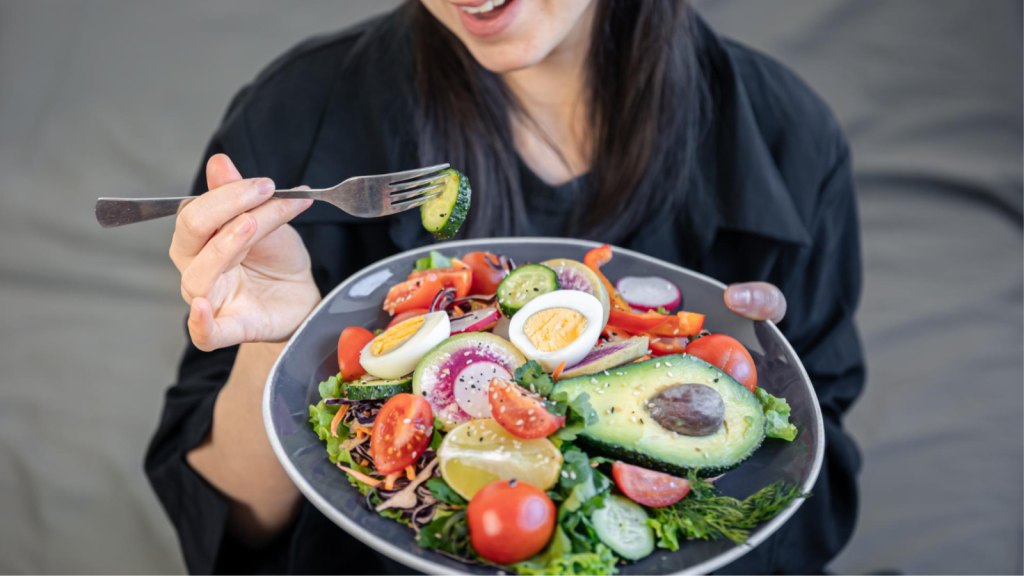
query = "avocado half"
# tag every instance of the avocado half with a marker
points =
(626, 431)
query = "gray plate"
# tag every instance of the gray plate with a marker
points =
(309, 358)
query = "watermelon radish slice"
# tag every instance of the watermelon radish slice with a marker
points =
(475, 321)
(573, 275)
(438, 371)
(472, 385)
(649, 292)
(608, 356)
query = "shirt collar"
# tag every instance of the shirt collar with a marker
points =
(740, 186)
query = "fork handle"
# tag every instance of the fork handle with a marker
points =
(112, 212)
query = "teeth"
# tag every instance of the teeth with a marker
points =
(483, 8)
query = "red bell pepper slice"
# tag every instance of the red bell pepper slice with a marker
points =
(596, 258)
(683, 324)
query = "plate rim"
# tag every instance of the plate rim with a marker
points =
(397, 553)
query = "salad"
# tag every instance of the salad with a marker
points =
(539, 419)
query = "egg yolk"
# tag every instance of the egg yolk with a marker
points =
(554, 328)
(396, 335)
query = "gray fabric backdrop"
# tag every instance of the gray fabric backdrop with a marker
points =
(117, 97)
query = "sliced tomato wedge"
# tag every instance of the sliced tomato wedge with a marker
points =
(520, 412)
(402, 316)
(350, 344)
(594, 259)
(488, 272)
(647, 487)
(416, 293)
(662, 346)
(728, 354)
(401, 432)
(459, 277)
(683, 324)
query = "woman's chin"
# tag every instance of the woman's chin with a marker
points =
(507, 56)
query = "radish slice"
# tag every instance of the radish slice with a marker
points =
(475, 321)
(649, 292)
(471, 387)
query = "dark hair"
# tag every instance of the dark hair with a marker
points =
(646, 103)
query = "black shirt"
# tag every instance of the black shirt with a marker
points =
(773, 201)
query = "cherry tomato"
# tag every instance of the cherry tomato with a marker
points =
(728, 354)
(401, 432)
(416, 293)
(487, 272)
(662, 346)
(510, 521)
(401, 316)
(352, 341)
(460, 278)
(522, 414)
(648, 487)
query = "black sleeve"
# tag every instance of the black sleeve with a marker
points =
(199, 512)
(822, 286)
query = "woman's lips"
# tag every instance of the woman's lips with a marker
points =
(487, 18)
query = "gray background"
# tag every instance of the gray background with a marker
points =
(117, 97)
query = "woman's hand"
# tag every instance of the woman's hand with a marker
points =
(756, 300)
(244, 270)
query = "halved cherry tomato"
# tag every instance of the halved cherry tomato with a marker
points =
(647, 487)
(487, 272)
(401, 432)
(417, 293)
(521, 413)
(682, 324)
(728, 354)
(352, 341)
(459, 277)
(510, 520)
(662, 346)
(406, 315)
(594, 259)
(634, 322)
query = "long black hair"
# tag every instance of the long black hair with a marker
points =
(646, 103)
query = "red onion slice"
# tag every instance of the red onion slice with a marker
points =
(475, 321)
(649, 292)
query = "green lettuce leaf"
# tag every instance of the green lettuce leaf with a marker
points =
(532, 377)
(443, 492)
(433, 260)
(332, 387)
(448, 532)
(558, 558)
(776, 411)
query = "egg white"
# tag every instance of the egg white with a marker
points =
(402, 360)
(581, 302)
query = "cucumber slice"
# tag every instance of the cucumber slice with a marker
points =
(524, 284)
(622, 526)
(377, 389)
(444, 214)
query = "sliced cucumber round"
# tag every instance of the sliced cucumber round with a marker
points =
(444, 214)
(377, 389)
(622, 526)
(524, 284)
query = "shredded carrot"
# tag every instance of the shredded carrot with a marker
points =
(410, 472)
(645, 357)
(364, 462)
(360, 476)
(389, 480)
(456, 311)
(337, 419)
(558, 371)
(362, 431)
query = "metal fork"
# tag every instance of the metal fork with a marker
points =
(362, 196)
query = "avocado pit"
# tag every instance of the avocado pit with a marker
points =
(690, 409)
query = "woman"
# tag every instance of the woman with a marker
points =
(624, 121)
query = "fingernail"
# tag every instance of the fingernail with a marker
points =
(264, 186)
(243, 226)
(738, 297)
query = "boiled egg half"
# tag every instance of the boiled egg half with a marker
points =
(396, 351)
(560, 326)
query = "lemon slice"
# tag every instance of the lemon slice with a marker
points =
(478, 452)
